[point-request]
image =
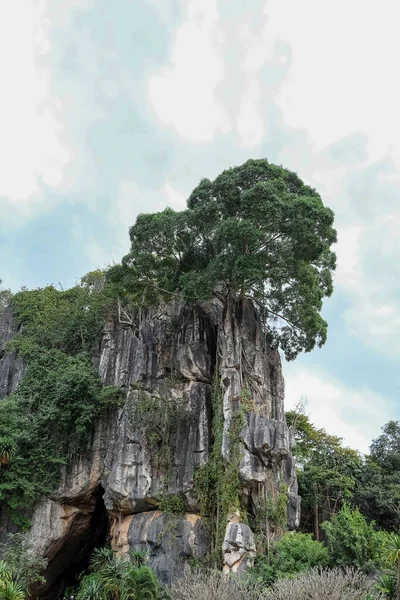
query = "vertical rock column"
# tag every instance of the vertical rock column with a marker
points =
(254, 429)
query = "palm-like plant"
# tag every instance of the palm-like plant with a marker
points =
(120, 578)
(101, 557)
(139, 583)
(387, 585)
(7, 450)
(91, 588)
(5, 574)
(137, 557)
(10, 590)
(393, 555)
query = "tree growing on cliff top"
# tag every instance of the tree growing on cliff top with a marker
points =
(256, 231)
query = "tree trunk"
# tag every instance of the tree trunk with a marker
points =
(316, 522)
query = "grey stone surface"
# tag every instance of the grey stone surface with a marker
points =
(293, 511)
(11, 367)
(238, 548)
(171, 541)
(171, 355)
(133, 480)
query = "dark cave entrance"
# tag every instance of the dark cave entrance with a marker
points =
(73, 557)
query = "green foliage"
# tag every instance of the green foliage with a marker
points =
(172, 504)
(9, 590)
(279, 515)
(160, 417)
(112, 577)
(257, 231)
(8, 448)
(328, 473)
(25, 567)
(217, 481)
(378, 488)
(392, 552)
(351, 540)
(387, 585)
(293, 553)
(69, 320)
(51, 415)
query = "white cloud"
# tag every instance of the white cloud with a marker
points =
(30, 147)
(344, 65)
(183, 94)
(355, 415)
(348, 257)
(176, 199)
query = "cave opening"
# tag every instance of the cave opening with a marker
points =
(89, 531)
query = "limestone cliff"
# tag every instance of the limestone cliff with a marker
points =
(135, 484)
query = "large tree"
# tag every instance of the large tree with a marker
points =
(378, 489)
(328, 471)
(255, 231)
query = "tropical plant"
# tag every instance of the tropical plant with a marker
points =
(138, 557)
(114, 577)
(5, 573)
(91, 588)
(387, 585)
(393, 556)
(8, 449)
(11, 591)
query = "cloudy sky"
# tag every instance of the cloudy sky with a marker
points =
(109, 109)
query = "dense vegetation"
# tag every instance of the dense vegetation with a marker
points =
(20, 569)
(50, 417)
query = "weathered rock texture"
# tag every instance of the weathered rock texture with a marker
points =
(144, 456)
(11, 367)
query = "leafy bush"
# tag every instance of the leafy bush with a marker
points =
(50, 417)
(69, 320)
(21, 568)
(351, 540)
(293, 553)
(335, 584)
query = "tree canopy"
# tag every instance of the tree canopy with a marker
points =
(255, 231)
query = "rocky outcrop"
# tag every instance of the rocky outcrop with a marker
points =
(238, 547)
(136, 482)
(170, 540)
(11, 367)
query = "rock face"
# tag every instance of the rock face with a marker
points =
(136, 482)
(11, 367)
